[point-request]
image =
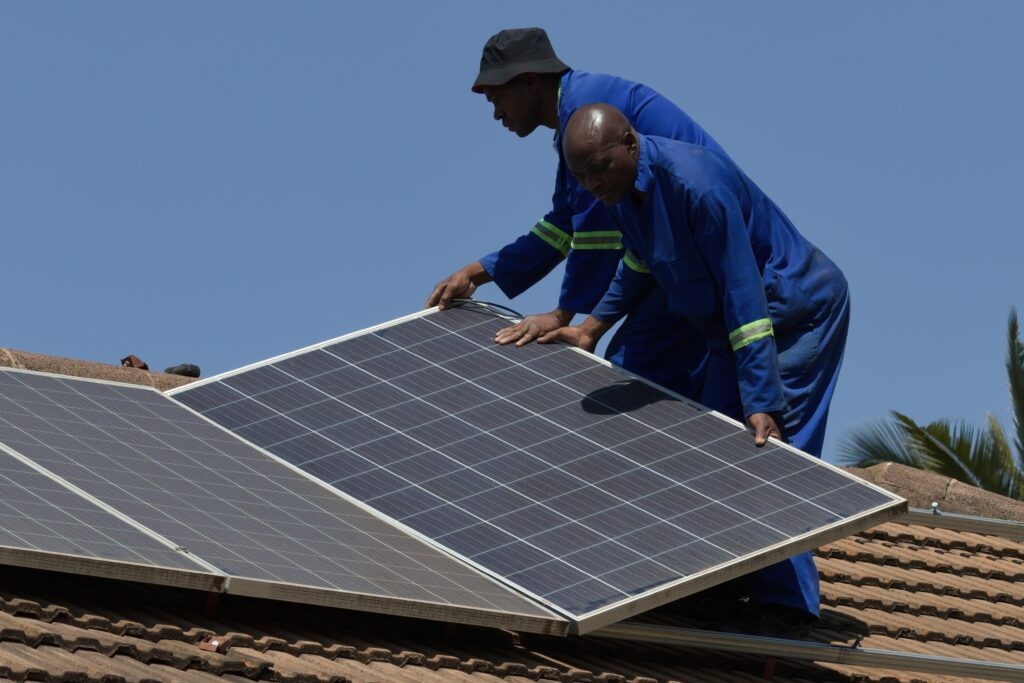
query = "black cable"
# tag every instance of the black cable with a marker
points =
(486, 305)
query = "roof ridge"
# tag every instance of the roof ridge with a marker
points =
(14, 362)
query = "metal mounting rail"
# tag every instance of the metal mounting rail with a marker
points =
(957, 522)
(816, 652)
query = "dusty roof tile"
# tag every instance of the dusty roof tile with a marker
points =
(945, 538)
(921, 603)
(832, 569)
(857, 549)
(21, 662)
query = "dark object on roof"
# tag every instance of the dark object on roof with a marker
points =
(133, 361)
(185, 370)
(516, 51)
(55, 365)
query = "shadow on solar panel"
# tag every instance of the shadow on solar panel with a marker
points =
(592, 491)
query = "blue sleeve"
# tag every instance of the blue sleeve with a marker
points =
(593, 258)
(723, 239)
(518, 266)
(632, 282)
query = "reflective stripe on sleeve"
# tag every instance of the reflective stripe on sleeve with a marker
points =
(556, 238)
(597, 239)
(635, 263)
(749, 333)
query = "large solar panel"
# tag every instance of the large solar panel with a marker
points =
(595, 492)
(272, 530)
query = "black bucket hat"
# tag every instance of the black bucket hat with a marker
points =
(516, 51)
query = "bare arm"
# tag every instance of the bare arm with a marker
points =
(459, 285)
(585, 335)
(534, 326)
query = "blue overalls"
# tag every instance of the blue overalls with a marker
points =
(773, 308)
(652, 342)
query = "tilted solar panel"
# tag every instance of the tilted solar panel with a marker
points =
(270, 529)
(591, 490)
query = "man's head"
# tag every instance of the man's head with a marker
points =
(518, 73)
(602, 150)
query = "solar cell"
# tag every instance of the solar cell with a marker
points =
(581, 485)
(275, 531)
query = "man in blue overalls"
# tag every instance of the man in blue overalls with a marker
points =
(773, 308)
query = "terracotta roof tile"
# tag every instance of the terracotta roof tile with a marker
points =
(921, 603)
(944, 538)
(961, 562)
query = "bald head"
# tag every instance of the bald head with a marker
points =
(601, 150)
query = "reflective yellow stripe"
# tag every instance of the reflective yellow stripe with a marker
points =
(597, 239)
(749, 333)
(600, 233)
(556, 238)
(635, 263)
(608, 246)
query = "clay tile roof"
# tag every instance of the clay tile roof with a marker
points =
(898, 587)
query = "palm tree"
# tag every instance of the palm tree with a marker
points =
(981, 456)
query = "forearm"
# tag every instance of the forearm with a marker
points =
(591, 331)
(563, 316)
(476, 273)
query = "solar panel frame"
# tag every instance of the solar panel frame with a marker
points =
(664, 592)
(532, 617)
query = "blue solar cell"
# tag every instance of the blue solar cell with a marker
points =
(389, 449)
(393, 364)
(363, 347)
(258, 380)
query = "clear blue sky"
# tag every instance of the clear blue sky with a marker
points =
(218, 183)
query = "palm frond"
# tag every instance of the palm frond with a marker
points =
(937, 445)
(874, 443)
(1011, 468)
(958, 449)
(1015, 375)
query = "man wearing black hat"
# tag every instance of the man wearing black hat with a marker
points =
(529, 86)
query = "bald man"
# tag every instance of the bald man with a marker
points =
(773, 308)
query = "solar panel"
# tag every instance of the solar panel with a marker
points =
(271, 529)
(46, 525)
(585, 487)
